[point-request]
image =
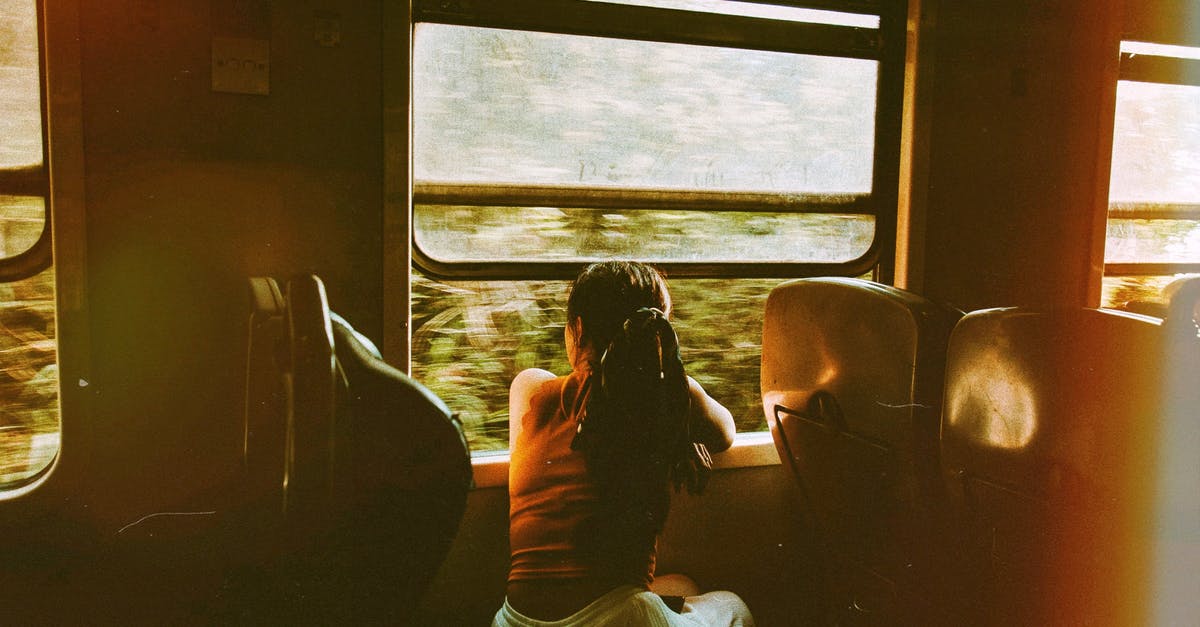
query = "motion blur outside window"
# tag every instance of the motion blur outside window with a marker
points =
(29, 415)
(537, 149)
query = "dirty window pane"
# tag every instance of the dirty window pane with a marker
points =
(509, 107)
(470, 338)
(478, 234)
(29, 418)
(20, 95)
(1152, 241)
(1156, 144)
(22, 219)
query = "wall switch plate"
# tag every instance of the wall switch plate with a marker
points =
(241, 65)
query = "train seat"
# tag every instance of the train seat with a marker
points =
(1178, 552)
(851, 387)
(378, 472)
(263, 426)
(1051, 421)
(356, 475)
(402, 471)
(1183, 307)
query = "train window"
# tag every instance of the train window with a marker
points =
(652, 130)
(732, 144)
(550, 133)
(22, 180)
(473, 337)
(1153, 229)
(29, 416)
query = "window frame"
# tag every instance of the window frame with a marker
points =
(32, 181)
(60, 60)
(1146, 68)
(884, 45)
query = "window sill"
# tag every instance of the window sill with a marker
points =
(748, 450)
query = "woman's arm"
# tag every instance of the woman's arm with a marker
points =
(712, 424)
(520, 394)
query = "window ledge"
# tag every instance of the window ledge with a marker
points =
(748, 450)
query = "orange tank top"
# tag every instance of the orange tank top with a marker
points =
(551, 497)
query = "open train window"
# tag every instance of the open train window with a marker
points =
(730, 143)
(1153, 232)
(29, 413)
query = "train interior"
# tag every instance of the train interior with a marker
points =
(267, 277)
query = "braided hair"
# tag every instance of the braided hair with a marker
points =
(634, 431)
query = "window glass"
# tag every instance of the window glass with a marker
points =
(470, 338)
(20, 96)
(507, 107)
(29, 415)
(22, 219)
(1156, 144)
(466, 234)
(1120, 290)
(29, 419)
(1152, 241)
(1154, 189)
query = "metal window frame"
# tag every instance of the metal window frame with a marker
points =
(32, 181)
(586, 18)
(1145, 68)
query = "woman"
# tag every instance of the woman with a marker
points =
(594, 456)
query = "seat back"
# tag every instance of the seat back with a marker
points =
(311, 414)
(402, 472)
(1183, 307)
(1049, 443)
(1177, 556)
(370, 477)
(851, 387)
(267, 387)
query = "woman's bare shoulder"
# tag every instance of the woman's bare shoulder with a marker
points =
(530, 379)
(526, 386)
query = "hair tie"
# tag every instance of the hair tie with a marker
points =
(646, 317)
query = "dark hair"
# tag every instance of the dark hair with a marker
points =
(634, 430)
(605, 294)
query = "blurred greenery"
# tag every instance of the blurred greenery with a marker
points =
(459, 233)
(29, 416)
(1117, 291)
(470, 338)
(1152, 241)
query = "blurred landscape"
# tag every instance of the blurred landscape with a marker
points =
(470, 338)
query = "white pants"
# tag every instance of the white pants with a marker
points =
(630, 606)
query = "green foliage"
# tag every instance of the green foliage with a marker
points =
(471, 338)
